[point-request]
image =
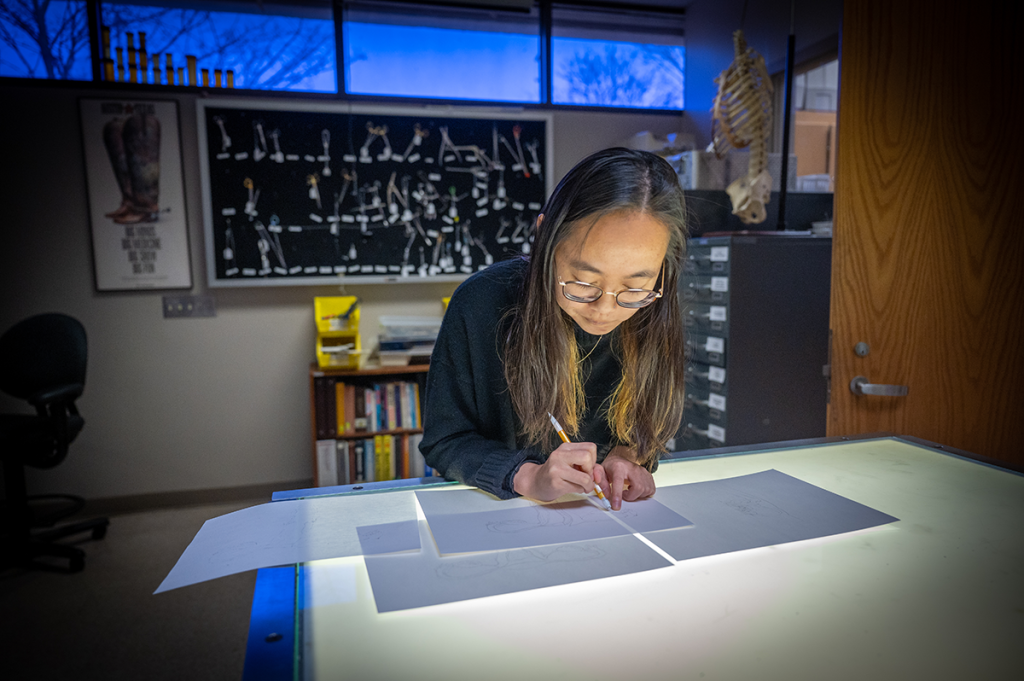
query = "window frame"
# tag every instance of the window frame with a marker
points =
(545, 66)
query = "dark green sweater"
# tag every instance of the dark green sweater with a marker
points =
(470, 432)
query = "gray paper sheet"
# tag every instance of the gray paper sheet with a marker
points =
(757, 510)
(412, 580)
(500, 527)
(389, 537)
(739, 513)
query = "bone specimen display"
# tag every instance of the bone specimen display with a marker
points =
(742, 118)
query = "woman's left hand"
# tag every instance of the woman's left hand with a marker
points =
(620, 478)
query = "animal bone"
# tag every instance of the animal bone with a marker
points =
(742, 117)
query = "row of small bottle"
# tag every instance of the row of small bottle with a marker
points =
(139, 66)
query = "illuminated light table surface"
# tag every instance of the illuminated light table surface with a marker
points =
(937, 595)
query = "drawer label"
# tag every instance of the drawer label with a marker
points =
(720, 284)
(716, 433)
(716, 375)
(716, 401)
(715, 344)
(717, 313)
(719, 253)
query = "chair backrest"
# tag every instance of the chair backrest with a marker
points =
(42, 353)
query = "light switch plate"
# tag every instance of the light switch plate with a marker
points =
(189, 306)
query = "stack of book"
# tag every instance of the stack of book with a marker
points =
(367, 433)
(370, 459)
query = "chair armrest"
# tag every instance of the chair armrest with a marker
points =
(67, 393)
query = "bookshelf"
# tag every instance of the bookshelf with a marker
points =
(375, 434)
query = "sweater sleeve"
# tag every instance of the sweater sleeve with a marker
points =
(468, 425)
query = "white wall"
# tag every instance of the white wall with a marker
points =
(184, 404)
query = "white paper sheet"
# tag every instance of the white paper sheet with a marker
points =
(283, 533)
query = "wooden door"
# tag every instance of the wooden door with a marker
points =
(929, 223)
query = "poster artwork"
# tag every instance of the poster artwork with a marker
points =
(136, 194)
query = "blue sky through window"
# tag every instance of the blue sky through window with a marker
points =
(278, 52)
(611, 73)
(265, 51)
(416, 61)
(56, 47)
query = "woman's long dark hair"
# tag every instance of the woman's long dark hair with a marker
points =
(542, 360)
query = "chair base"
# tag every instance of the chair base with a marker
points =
(27, 554)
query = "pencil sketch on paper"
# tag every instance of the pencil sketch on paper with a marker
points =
(751, 505)
(565, 514)
(518, 560)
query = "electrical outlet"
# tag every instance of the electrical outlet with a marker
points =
(189, 306)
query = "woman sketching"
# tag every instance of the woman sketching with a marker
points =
(587, 329)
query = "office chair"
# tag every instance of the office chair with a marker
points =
(42, 361)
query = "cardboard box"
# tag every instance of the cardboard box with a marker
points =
(703, 170)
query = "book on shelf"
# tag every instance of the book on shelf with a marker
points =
(389, 399)
(350, 408)
(416, 463)
(319, 386)
(330, 407)
(359, 421)
(341, 417)
(344, 474)
(373, 421)
(381, 462)
(359, 460)
(370, 459)
(416, 406)
(326, 463)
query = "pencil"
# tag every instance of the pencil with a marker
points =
(565, 438)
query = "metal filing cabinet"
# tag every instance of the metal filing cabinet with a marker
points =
(756, 310)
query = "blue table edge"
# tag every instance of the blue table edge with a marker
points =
(273, 649)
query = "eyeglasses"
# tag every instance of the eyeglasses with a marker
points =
(579, 292)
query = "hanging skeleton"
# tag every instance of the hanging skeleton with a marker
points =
(742, 117)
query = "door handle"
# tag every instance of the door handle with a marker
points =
(860, 386)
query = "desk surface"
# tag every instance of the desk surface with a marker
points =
(939, 594)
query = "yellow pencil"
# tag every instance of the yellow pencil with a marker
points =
(565, 438)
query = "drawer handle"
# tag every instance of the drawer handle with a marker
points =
(860, 386)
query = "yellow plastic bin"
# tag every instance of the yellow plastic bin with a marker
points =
(336, 313)
(339, 351)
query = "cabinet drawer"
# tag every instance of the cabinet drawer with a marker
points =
(698, 433)
(707, 259)
(706, 404)
(712, 320)
(706, 349)
(699, 288)
(707, 377)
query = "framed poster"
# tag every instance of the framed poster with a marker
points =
(314, 193)
(136, 194)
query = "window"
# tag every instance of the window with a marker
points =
(266, 46)
(469, 50)
(815, 89)
(623, 59)
(445, 53)
(53, 44)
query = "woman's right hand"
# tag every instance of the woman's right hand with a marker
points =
(569, 469)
